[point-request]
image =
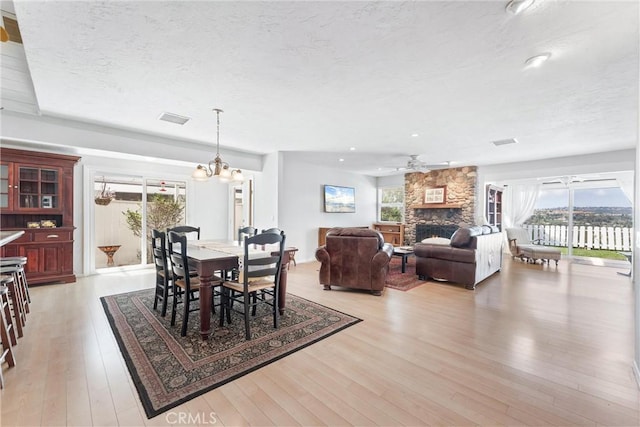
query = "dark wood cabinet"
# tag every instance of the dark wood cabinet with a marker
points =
(36, 195)
(494, 206)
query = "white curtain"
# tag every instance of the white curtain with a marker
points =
(626, 185)
(518, 203)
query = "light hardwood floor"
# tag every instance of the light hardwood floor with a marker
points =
(532, 345)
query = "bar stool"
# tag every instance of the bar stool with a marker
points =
(19, 261)
(7, 333)
(18, 303)
(5, 310)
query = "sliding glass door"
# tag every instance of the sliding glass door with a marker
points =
(603, 223)
(126, 209)
(584, 220)
(115, 243)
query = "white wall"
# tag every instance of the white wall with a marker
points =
(390, 181)
(636, 265)
(301, 202)
(267, 194)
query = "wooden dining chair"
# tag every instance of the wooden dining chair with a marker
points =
(185, 286)
(187, 230)
(258, 274)
(272, 230)
(164, 275)
(246, 231)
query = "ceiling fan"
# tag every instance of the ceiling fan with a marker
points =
(415, 165)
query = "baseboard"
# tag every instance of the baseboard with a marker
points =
(636, 373)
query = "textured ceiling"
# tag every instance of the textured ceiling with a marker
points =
(321, 77)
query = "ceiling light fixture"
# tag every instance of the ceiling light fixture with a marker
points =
(538, 60)
(518, 6)
(217, 167)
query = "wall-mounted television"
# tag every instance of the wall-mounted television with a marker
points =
(339, 199)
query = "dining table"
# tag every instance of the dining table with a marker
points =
(208, 258)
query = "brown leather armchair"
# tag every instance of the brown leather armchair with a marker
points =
(354, 258)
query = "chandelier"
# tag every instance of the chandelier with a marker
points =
(217, 167)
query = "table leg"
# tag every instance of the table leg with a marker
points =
(404, 262)
(282, 300)
(205, 306)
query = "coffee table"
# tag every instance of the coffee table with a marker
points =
(403, 252)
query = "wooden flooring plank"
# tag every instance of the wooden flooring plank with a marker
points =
(532, 345)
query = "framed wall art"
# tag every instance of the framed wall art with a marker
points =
(339, 199)
(435, 195)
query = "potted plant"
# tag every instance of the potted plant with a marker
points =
(162, 212)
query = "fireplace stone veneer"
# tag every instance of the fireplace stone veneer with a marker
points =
(461, 184)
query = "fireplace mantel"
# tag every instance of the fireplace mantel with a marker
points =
(437, 206)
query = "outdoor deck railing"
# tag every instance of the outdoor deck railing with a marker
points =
(587, 237)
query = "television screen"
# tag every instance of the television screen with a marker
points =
(339, 199)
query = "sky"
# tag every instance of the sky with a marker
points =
(607, 197)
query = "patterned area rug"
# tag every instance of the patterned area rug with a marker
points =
(402, 281)
(168, 369)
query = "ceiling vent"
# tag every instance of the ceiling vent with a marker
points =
(11, 27)
(174, 118)
(505, 142)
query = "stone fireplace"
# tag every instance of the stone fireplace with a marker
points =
(457, 210)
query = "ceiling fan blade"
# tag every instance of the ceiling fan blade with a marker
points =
(416, 165)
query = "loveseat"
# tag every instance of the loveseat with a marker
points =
(473, 254)
(354, 258)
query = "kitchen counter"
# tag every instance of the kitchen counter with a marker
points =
(9, 236)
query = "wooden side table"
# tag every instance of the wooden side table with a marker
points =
(404, 253)
(292, 253)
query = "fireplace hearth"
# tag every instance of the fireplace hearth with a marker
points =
(424, 231)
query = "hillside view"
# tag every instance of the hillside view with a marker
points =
(593, 216)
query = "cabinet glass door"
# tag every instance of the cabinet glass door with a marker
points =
(49, 188)
(4, 186)
(28, 188)
(38, 188)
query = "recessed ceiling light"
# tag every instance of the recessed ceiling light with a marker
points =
(518, 6)
(341, 160)
(352, 149)
(174, 118)
(538, 60)
(414, 135)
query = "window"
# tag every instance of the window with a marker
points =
(391, 207)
